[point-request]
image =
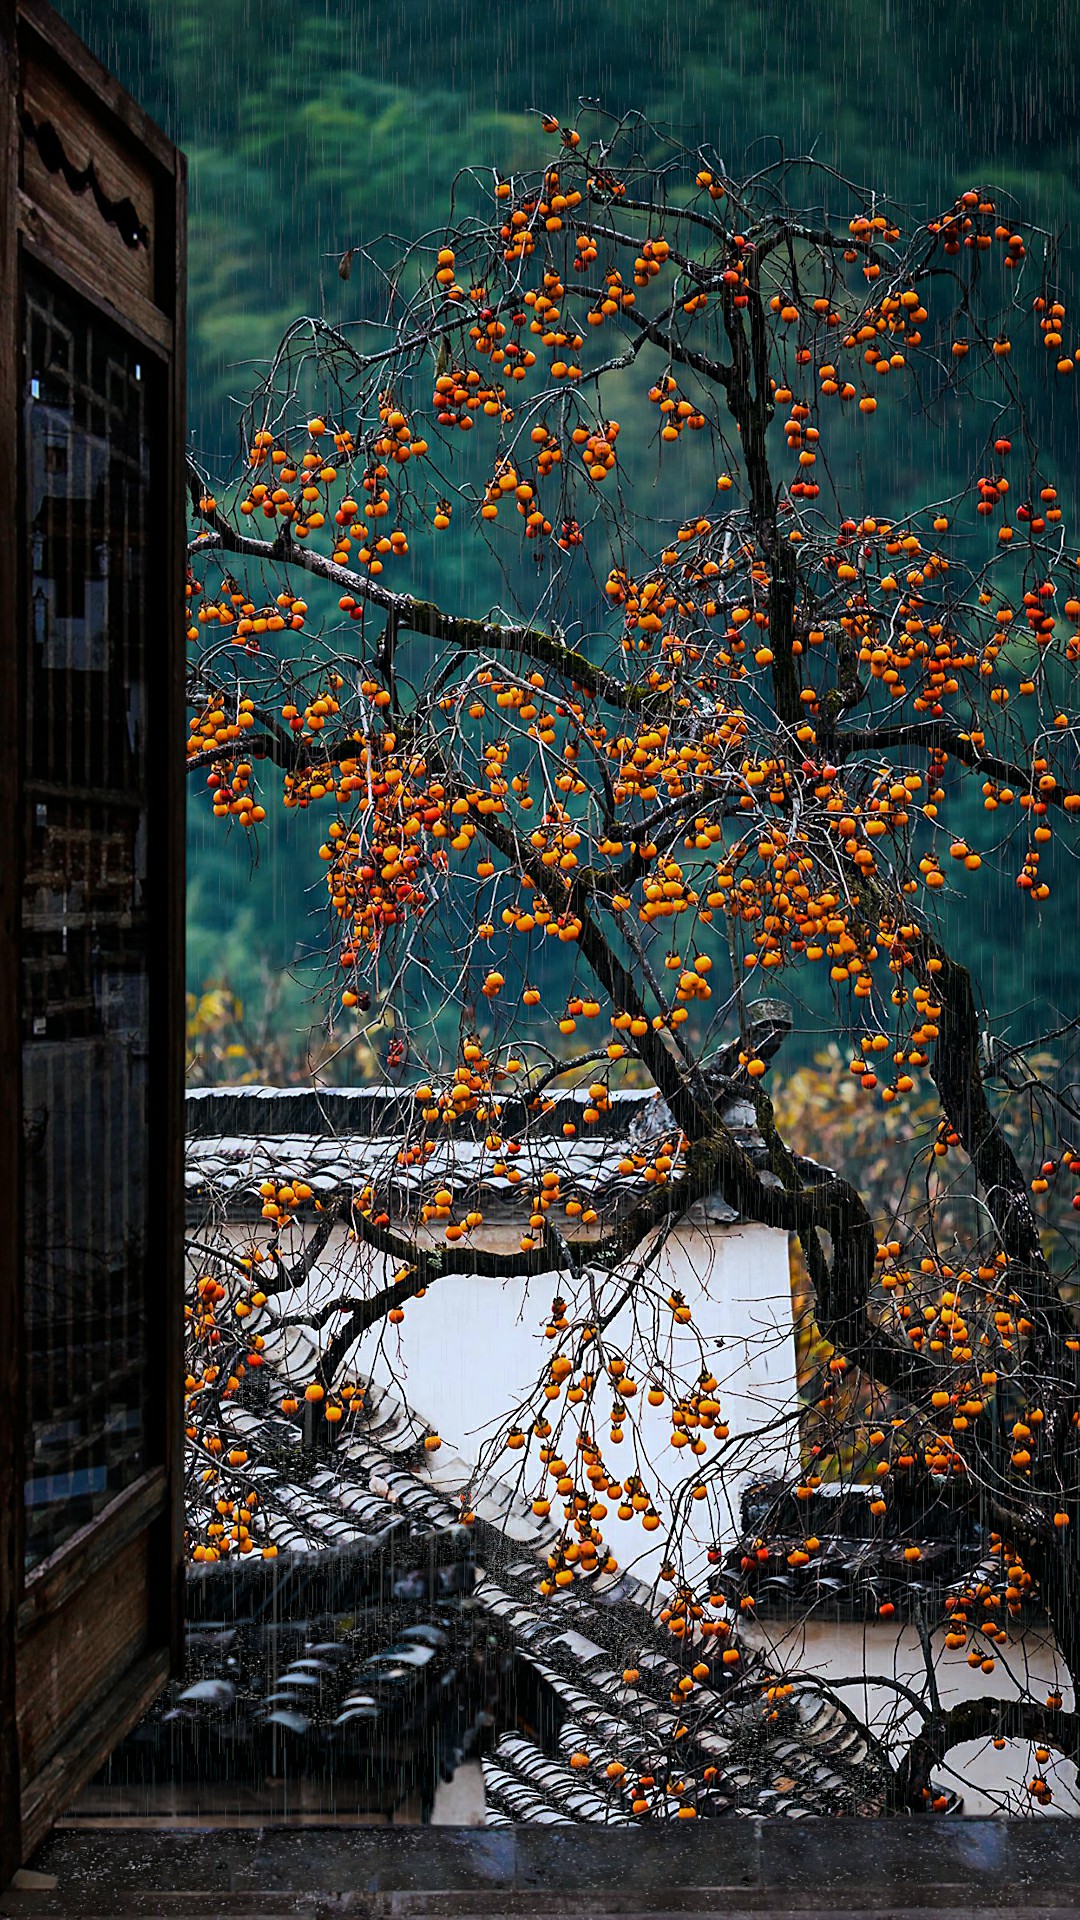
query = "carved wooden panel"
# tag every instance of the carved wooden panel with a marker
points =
(93, 200)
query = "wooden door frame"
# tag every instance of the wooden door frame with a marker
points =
(145, 1522)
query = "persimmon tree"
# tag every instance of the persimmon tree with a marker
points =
(591, 600)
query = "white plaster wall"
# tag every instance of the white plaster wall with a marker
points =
(737, 1279)
(993, 1782)
(873, 1654)
(461, 1801)
(470, 1353)
(473, 1349)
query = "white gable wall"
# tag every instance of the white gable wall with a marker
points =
(875, 1655)
(469, 1354)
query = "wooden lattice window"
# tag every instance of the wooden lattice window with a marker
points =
(89, 463)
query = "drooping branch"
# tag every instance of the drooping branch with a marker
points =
(716, 371)
(984, 1718)
(423, 1266)
(793, 1205)
(934, 736)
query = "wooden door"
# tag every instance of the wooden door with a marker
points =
(91, 915)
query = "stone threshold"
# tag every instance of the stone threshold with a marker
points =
(730, 1867)
(675, 1903)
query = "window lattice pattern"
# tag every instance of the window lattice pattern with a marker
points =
(87, 474)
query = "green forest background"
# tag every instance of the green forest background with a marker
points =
(310, 126)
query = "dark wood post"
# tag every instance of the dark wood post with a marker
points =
(92, 529)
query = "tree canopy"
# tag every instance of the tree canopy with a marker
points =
(731, 718)
(330, 120)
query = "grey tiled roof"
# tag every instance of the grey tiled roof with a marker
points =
(342, 1139)
(386, 1639)
(380, 1606)
(928, 1545)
